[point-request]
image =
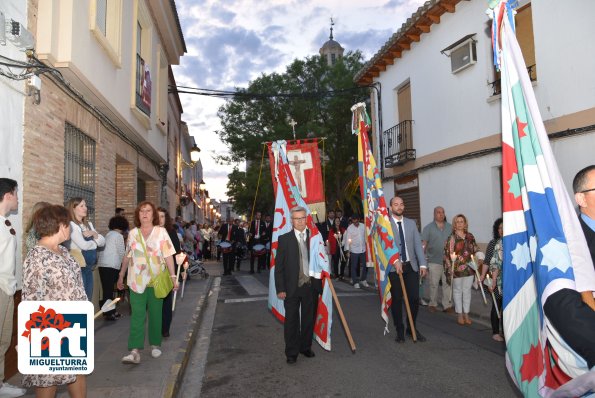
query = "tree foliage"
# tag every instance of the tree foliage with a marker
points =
(319, 98)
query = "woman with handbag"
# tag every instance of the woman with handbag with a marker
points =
(84, 241)
(151, 276)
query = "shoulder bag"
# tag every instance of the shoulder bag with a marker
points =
(162, 283)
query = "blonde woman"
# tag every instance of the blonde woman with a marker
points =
(459, 248)
(83, 237)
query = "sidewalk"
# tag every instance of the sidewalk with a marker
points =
(159, 377)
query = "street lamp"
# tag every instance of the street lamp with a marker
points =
(194, 158)
(202, 184)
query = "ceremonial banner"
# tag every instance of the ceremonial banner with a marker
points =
(544, 248)
(380, 241)
(303, 160)
(287, 197)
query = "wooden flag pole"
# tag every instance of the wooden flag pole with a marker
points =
(341, 316)
(411, 324)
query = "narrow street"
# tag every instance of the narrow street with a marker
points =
(245, 352)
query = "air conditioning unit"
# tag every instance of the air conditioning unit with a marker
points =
(463, 55)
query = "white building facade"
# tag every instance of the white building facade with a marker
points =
(436, 107)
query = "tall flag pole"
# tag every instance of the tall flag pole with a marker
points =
(544, 248)
(287, 197)
(379, 232)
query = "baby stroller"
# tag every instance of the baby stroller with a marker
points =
(195, 267)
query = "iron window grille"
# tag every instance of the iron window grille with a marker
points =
(79, 168)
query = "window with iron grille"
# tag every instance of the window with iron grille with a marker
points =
(79, 168)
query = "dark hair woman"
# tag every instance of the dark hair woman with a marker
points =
(50, 273)
(110, 261)
(167, 222)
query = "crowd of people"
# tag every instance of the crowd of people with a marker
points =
(63, 248)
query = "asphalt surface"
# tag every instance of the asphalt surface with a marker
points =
(245, 352)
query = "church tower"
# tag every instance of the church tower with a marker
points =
(331, 50)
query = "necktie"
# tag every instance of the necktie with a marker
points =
(228, 232)
(402, 238)
(257, 228)
(304, 255)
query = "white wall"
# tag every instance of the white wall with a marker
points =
(11, 116)
(470, 187)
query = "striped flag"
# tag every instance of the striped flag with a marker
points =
(288, 196)
(544, 248)
(381, 245)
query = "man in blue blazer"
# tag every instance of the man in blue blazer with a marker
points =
(411, 263)
(296, 287)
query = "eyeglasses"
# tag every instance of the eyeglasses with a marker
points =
(298, 218)
(587, 190)
(9, 225)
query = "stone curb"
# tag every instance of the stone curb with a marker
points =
(176, 372)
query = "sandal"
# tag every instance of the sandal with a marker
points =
(467, 320)
(460, 320)
(497, 337)
(132, 358)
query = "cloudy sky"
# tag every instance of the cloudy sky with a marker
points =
(231, 43)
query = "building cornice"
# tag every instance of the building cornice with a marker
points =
(409, 33)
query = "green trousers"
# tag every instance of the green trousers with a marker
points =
(140, 303)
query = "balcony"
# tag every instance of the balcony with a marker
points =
(497, 84)
(397, 144)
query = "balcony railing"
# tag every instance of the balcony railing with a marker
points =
(398, 144)
(497, 84)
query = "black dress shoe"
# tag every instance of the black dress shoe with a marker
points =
(291, 360)
(308, 353)
(400, 339)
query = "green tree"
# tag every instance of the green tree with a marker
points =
(319, 98)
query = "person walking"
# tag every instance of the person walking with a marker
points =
(433, 236)
(110, 260)
(411, 264)
(9, 202)
(165, 221)
(257, 237)
(149, 250)
(294, 285)
(354, 240)
(84, 238)
(227, 236)
(458, 249)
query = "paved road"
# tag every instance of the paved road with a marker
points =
(243, 347)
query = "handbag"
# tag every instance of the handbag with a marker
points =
(162, 283)
(90, 256)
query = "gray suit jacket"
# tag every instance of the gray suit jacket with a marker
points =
(415, 250)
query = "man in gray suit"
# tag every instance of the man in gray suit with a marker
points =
(411, 263)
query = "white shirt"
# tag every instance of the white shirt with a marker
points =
(113, 251)
(402, 221)
(354, 238)
(77, 240)
(8, 258)
(297, 235)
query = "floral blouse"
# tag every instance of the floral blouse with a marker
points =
(158, 245)
(496, 263)
(463, 248)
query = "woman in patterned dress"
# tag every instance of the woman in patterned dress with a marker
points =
(51, 273)
(147, 240)
(459, 247)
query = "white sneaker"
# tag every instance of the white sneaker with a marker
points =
(356, 285)
(365, 284)
(155, 352)
(8, 391)
(133, 357)
(423, 302)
